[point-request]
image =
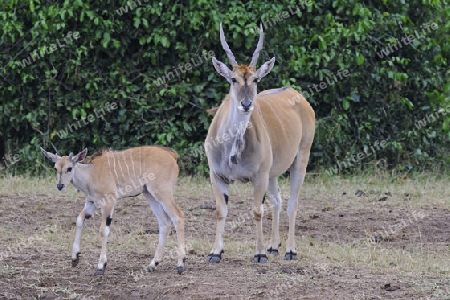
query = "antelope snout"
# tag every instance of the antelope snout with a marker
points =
(246, 106)
(60, 186)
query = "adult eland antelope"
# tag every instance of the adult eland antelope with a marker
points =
(110, 175)
(260, 136)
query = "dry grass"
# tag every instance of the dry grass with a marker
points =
(328, 257)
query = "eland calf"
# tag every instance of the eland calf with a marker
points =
(261, 135)
(110, 175)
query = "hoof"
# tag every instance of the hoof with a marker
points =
(215, 258)
(76, 260)
(99, 272)
(290, 256)
(272, 251)
(180, 270)
(151, 268)
(260, 258)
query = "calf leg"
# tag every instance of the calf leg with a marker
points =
(86, 213)
(165, 199)
(107, 212)
(164, 224)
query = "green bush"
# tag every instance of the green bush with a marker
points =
(125, 50)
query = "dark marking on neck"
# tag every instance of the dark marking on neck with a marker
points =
(86, 216)
(239, 141)
(264, 199)
(108, 221)
(238, 146)
(226, 198)
(222, 178)
(244, 179)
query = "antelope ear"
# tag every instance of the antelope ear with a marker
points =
(212, 111)
(265, 68)
(51, 156)
(222, 69)
(80, 156)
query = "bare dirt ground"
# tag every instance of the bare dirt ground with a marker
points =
(354, 240)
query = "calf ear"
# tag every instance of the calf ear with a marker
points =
(80, 156)
(51, 156)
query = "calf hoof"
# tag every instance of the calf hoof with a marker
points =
(181, 268)
(76, 260)
(260, 258)
(290, 255)
(272, 251)
(215, 258)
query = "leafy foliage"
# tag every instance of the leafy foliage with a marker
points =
(126, 51)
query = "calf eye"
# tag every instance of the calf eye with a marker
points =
(233, 79)
(69, 169)
(256, 80)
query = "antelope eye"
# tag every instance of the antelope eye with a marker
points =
(233, 79)
(69, 169)
(256, 80)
